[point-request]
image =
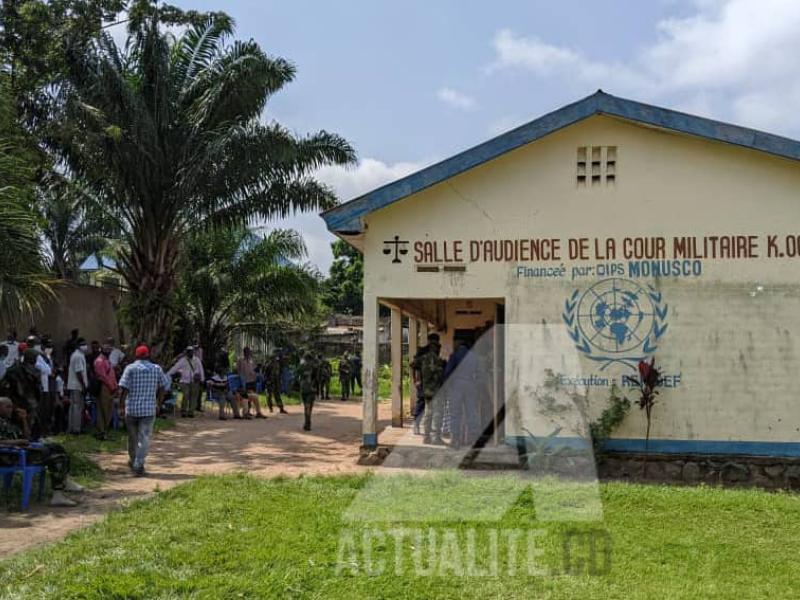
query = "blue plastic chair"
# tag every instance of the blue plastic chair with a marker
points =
(260, 384)
(27, 471)
(215, 396)
(234, 383)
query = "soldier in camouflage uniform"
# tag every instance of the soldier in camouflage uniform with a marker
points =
(273, 380)
(22, 384)
(324, 380)
(52, 456)
(344, 375)
(306, 378)
(431, 371)
(419, 405)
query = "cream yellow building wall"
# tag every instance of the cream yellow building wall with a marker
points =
(726, 335)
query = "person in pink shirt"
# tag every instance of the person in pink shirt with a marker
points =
(104, 372)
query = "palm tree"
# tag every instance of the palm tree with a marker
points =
(234, 278)
(24, 282)
(72, 227)
(167, 132)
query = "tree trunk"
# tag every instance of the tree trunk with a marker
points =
(150, 273)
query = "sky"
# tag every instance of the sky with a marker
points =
(410, 83)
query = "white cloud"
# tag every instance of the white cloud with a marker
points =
(348, 184)
(736, 59)
(370, 173)
(531, 53)
(455, 99)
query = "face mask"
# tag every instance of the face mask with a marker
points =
(48, 351)
(83, 348)
(38, 348)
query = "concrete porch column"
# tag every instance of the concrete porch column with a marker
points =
(370, 384)
(413, 345)
(397, 368)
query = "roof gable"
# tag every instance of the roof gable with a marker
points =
(347, 218)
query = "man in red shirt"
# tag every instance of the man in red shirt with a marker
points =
(104, 372)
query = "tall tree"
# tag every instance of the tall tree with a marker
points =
(72, 226)
(236, 278)
(24, 281)
(34, 35)
(168, 132)
(344, 288)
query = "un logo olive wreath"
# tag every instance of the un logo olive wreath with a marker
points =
(616, 321)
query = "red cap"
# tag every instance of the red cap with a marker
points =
(142, 351)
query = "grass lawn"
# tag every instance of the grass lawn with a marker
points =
(238, 536)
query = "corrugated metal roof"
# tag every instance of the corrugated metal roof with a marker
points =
(347, 218)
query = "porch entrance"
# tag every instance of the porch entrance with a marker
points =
(477, 322)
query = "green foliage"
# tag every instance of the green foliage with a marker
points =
(344, 288)
(234, 277)
(24, 282)
(611, 418)
(73, 225)
(35, 35)
(240, 536)
(167, 134)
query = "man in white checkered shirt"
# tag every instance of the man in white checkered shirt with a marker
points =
(142, 386)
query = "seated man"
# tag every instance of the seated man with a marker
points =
(246, 399)
(219, 389)
(52, 456)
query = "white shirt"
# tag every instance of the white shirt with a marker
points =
(77, 364)
(187, 368)
(44, 371)
(13, 352)
(116, 357)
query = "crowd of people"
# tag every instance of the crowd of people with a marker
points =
(80, 388)
(94, 388)
(307, 371)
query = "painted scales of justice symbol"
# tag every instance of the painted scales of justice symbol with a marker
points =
(396, 245)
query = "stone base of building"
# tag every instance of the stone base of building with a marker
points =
(737, 471)
(771, 473)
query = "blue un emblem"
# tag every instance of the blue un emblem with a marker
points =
(616, 320)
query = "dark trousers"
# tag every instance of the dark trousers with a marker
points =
(45, 410)
(345, 382)
(419, 407)
(105, 408)
(274, 392)
(60, 416)
(355, 380)
(308, 406)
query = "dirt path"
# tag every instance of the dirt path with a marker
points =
(205, 445)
